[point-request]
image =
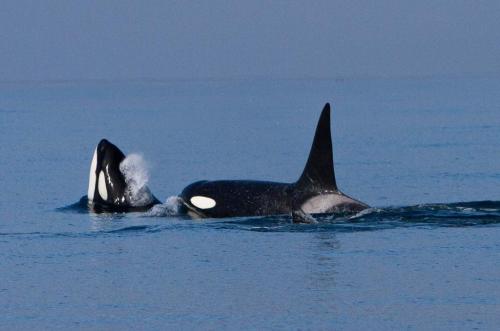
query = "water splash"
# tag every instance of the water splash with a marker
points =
(135, 170)
(171, 207)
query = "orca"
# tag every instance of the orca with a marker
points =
(109, 189)
(315, 192)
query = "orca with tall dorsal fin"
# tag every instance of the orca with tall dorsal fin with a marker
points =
(109, 188)
(315, 192)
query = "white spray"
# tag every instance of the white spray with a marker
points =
(169, 208)
(135, 171)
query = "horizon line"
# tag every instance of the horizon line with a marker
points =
(243, 78)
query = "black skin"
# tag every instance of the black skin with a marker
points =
(254, 198)
(240, 198)
(99, 208)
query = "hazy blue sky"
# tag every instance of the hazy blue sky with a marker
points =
(230, 39)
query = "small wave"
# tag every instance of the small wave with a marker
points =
(80, 207)
(132, 228)
(171, 207)
(364, 213)
(461, 214)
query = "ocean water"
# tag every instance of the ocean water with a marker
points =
(424, 153)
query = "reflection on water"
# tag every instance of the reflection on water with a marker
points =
(323, 260)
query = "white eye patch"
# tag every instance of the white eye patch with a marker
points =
(202, 202)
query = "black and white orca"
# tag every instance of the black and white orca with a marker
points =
(109, 189)
(315, 192)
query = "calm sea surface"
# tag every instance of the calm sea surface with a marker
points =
(425, 153)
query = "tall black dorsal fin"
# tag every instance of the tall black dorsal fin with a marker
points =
(318, 174)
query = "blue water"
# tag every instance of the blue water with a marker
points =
(423, 152)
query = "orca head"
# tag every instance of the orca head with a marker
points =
(198, 199)
(108, 188)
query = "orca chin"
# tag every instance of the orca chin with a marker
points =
(112, 190)
(315, 192)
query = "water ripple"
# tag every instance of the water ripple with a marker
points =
(462, 214)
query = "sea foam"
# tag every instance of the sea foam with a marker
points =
(135, 170)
